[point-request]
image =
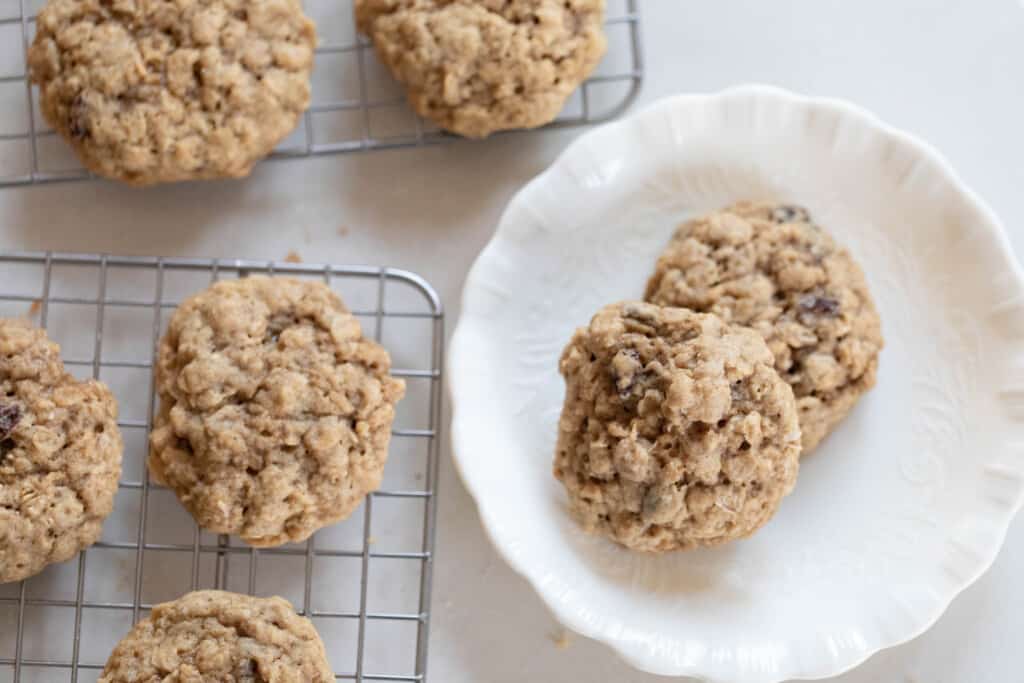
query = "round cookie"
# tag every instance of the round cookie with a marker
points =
(770, 267)
(163, 91)
(676, 430)
(275, 412)
(219, 636)
(60, 454)
(479, 66)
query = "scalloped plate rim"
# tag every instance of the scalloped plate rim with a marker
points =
(466, 329)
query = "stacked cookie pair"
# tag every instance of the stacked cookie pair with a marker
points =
(170, 90)
(685, 416)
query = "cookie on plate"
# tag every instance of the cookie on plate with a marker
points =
(151, 92)
(60, 454)
(219, 636)
(475, 67)
(770, 267)
(275, 412)
(676, 431)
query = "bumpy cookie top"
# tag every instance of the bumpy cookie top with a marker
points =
(154, 91)
(770, 267)
(676, 431)
(276, 413)
(479, 66)
(60, 454)
(219, 636)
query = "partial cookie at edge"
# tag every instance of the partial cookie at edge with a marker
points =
(476, 67)
(162, 92)
(60, 454)
(219, 636)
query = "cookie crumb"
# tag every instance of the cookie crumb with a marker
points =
(561, 639)
(293, 257)
(343, 231)
(34, 309)
(370, 540)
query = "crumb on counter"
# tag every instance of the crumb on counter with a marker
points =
(34, 309)
(343, 231)
(561, 639)
(293, 257)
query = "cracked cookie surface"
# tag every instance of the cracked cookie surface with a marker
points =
(275, 412)
(219, 636)
(479, 66)
(770, 267)
(676, 430)
(60, 454)
(161, 91)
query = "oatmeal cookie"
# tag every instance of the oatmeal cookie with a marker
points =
(219, 636)
(60, 454)
(676, 430)
(770, 267)
(275, 412)
(162, 91)
(480, 66)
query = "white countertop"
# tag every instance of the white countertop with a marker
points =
(949, 72)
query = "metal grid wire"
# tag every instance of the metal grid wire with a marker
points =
(61, 624)
(356, 105)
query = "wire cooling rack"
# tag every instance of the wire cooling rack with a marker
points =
(364, 582)
(356, 105)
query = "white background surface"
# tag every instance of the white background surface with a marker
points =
(951, 72)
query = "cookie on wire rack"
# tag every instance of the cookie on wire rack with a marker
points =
(219, 636)
(276, 413)
(161, 91)
(769, 266)
(476, 67)
(60, 454)
(676, 431)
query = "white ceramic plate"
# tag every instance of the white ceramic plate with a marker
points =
(904, 506)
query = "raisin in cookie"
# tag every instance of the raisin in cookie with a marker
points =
(480, 66)
(676, 430)
(218, 636)
(162, 91)
(275, 412)
(770, 267)
(60, 454)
